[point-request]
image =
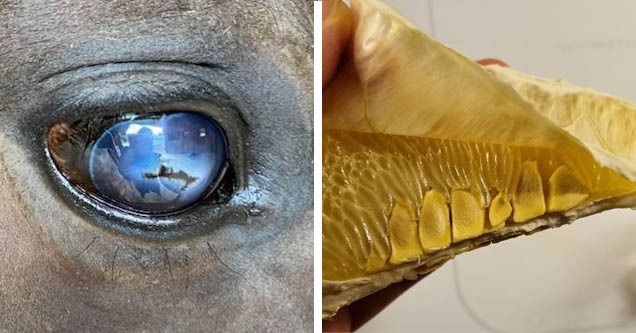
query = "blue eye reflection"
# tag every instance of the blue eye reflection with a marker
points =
(158, 164)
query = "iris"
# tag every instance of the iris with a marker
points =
(158, 164)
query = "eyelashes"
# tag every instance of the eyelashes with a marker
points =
(154, 164)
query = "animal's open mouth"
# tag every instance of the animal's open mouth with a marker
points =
(427, 154)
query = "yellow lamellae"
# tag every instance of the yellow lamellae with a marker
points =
(498, 212)
(434, 226)
(565, 191)
(403, 234)
(467, 215)
(527, 198)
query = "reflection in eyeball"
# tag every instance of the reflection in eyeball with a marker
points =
(159, 164)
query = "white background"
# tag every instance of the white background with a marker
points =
(580, 277)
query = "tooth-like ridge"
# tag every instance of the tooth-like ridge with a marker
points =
(418, 162)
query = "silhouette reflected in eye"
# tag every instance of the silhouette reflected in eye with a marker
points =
(156, 164)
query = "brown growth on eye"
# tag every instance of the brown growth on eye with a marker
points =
(58, 135)
(63, 150)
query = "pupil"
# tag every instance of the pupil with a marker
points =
(159, 164)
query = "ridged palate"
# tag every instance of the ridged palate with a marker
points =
(605, 122)
(395, 199)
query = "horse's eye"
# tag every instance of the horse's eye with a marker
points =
(155, 164)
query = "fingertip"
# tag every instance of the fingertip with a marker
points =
(492, 61)
(341, 322)
(361, 311)
(336, 29)
(327, 7)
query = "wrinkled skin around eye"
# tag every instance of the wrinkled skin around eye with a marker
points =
(253, 271)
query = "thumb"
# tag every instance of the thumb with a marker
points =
(336, 30)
